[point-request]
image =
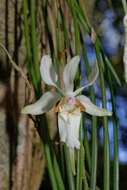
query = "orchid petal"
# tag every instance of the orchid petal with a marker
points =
(70, 72)
(48, 73)
(69, 124)
(44, 104)
(92, 78)
(91, 108)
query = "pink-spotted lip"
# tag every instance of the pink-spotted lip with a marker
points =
(71, 100)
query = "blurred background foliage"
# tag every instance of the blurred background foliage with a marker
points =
(31, 156)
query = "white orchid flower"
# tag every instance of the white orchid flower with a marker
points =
(66, 102)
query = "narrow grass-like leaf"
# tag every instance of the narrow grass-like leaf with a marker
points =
(33, 69)
(69, 169)
(84, 24)
(115, 137)
(80, 168)
(34, 45)
(44, 134)
(106, 163)
(111, 68)
(27, 43)
(50, 166)
(57, 172)
(94, 155)
(80, 161)
(87, 150)
(94, 131)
